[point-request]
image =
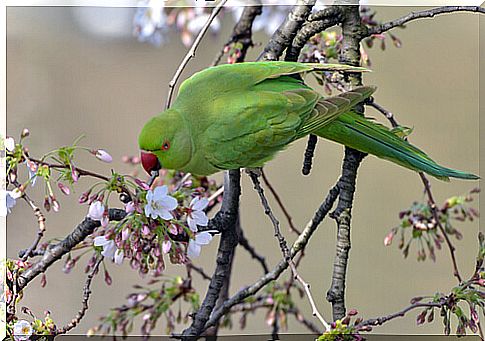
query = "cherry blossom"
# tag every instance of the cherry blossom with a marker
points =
(96, 210)
(22, 330)
(110, 250)
(196, 215)
(159, 203)
(8, 199)
(195, 245)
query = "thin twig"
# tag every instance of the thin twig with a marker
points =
(86, 294)
(434, 210)
(389, 115)
(191, 53)
(242, 33)
(199, 270)
(40, 222)
(429, 194)
(381, 320)
(297, 247)
(423, 14)
(249, 248)
(280, 203)
(284, 248)
(80, 171)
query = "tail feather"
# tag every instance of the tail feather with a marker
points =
(367, 136)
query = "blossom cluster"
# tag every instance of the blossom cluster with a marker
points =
(420, 221)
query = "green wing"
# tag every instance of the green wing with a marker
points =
(218, 80)
(253, 127)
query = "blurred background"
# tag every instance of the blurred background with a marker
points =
(80, 70)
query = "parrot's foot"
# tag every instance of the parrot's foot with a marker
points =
(258, 171)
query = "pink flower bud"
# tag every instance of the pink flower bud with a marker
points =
(102, 155)
(166, 246)
(125, 234)
(83, 198)
(25, 133)
(352, 312)
(43, 281)
(55, 204)
(74, 175)
(47, 204)
(63, 188)
(388, 238)
(107, 277)
(145, 230)
(130, 207)
(142, 184)
(104, 220)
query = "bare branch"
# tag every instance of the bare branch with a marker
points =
(191, 53)
(249, 248)
(434, 210)
(381, 320)
(352, 29)
(199, 270)
(283, 36)
(228, 221)
(41, 227)
(242, 32)
(423, 14)
(55, 252)
(86, 293)
(309, 152)
(316, 23)
(280, 203)
(297, 247)
(389, 115)
(285, 250)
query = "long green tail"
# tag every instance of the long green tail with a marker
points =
(354, 131)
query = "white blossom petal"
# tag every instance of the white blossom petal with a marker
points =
(9, 144)
(109, 249)
(168, 202)
(165, 214)
(160, 191)
(203, 238)
(96, 210)
(100, 241)
(118, 256)
(200, 204)
(192, 224)
(193, 251)
(200, 218)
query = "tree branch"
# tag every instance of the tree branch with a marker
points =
(242, 32)
(249, 248)
(227, 216)
(55, 252)
(316, 23)
(423, 14)
(191, 53)
(381, 320)
(86, 294)
(283, 36)
(352, 29)
(297, 247)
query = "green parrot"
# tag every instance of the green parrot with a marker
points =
(240, 115)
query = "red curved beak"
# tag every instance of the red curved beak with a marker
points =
(149, 162)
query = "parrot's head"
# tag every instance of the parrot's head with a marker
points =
(165, 142)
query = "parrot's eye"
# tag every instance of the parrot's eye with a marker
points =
(166, 145)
